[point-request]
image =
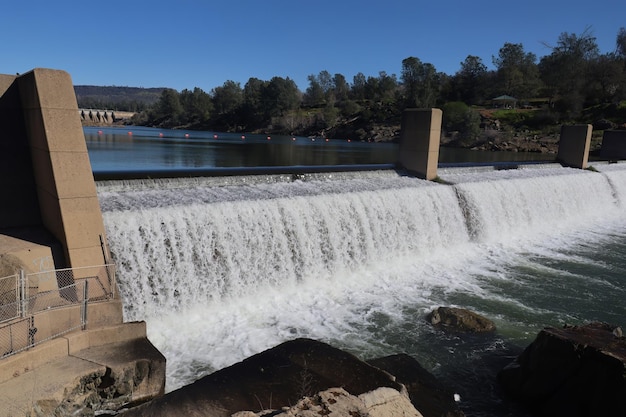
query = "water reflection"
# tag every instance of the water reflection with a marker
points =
(134, 149)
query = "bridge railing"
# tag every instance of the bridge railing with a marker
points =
(24, 296)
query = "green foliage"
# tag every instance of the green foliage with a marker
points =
(132, 99)
(349, 108)
(421, 83)
(516, 75)
(458, 117)
(453, 115)
(167, 111)
(574, 78)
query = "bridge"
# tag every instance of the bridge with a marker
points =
(104, 117)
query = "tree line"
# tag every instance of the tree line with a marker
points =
(574, 76)
(133, 99)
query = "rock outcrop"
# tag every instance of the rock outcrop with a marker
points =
(576, 371)
(303, 378)
(276, 378)
(337, 402)
(459, 319)
(427, 394)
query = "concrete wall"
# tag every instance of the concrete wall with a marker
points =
(574, 145)
(613, 145)
(54, 182)
(419, 142)
(18, 205)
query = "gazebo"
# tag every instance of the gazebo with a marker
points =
(504, 101)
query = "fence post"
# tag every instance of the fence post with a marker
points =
(23, 295)
(83, 318)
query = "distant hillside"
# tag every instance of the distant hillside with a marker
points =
(131, 99)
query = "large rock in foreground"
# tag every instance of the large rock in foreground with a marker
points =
(575, 371)
(276, 378)
(337, 402)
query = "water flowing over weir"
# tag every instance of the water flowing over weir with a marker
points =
(222, 268)
(178, 256)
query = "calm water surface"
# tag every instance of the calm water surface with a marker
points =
(134, 150)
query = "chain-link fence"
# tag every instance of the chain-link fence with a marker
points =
(9, 296)
(24, 296)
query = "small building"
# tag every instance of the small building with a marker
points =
(504, 101)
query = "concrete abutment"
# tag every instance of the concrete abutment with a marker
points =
(51, 229)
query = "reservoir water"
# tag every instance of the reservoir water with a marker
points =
(116, 152)
(221, 268)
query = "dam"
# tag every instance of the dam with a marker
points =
(222, 271)
(213, 270)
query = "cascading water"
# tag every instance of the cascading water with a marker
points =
(220, 272)
(173, 257)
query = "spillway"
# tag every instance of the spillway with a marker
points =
(223, 268)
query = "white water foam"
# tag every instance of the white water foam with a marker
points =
(223, 273)
(178, 257)
(517, 202)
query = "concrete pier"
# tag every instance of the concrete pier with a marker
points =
(574, 145)
(419, 142)
(613, 145)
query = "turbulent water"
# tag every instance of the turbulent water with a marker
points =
(224, 268)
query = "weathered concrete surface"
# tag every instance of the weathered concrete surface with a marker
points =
(574, 144)
(50, 220)
(419, 142)
(82, 373)
(56, 190)
(577, 371)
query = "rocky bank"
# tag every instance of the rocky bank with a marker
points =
(576, 371)
(304, 377)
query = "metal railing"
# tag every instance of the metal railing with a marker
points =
(24, 296)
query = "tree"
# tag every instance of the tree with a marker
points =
(517, 71)
(253, 109)
(387, 85)
(458, 117)
(281, 95)
(197, 106)
(314, 94)
(358, 86)
(420, 82)
(470, 80)
(607, 79)
(168, 110)
(340, 87)
(566, 70)
(620, 43)
(228, 97)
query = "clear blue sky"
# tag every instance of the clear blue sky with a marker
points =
(202, 43)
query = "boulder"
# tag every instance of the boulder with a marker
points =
(276, 378)
(337, 402)
(459, 319)
(427, 394)
(575, 371)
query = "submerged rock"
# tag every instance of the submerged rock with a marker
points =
(576, 371)
(460, 319)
